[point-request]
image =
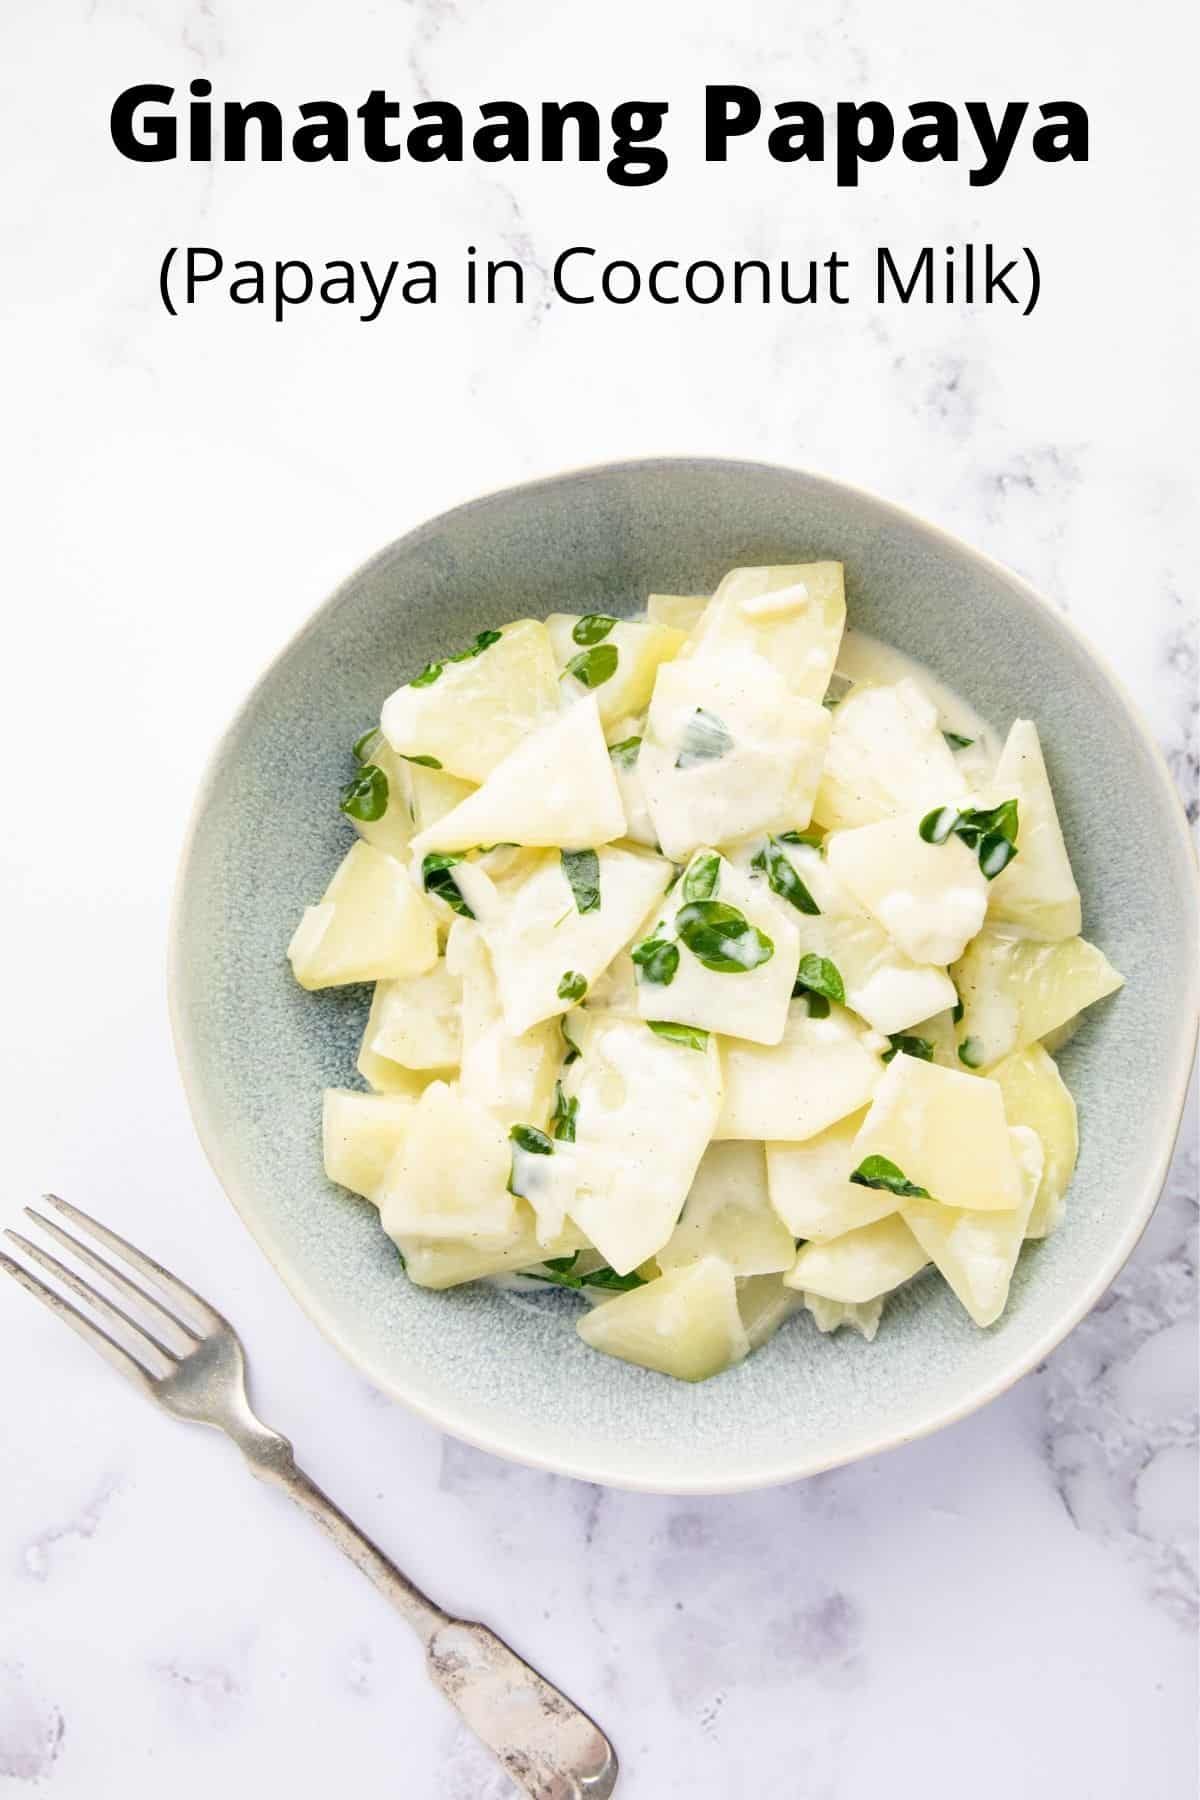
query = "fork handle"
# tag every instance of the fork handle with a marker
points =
(549, 1746)
(271, 1458)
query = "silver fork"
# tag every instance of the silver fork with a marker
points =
(190, 1360)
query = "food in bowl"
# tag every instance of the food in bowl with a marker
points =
(719, 956)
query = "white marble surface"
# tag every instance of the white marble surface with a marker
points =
(1008, 1608)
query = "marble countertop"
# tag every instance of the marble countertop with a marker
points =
(1008, 1607)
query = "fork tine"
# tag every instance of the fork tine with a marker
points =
(109, 1349)
(146, 1340)
(130, 1289)
(163, 1280)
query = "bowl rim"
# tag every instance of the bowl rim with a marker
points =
(797, 1467)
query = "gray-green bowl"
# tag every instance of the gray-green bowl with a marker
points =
(506, 1372)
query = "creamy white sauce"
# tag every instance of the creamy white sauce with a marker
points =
(548, 1183)
(778, 605)
(763, 758)
(933, 928)
(863, 658)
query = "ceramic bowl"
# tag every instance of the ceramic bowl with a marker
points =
(507, 1372)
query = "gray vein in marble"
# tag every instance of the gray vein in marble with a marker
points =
(40, 1552)
(518, 241)
(203, 1693)
(431, 18)
(735, 1606)
(1181, 697)
(201, 33)
(943, 385)
(1026, 501)
(31, 1729)
(589, 1504)
(1120, 1395)
(952, 393)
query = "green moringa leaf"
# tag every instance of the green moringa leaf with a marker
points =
(565, 1115)
(702, 875)
(903, 1044)
(582, 871)
(437, 879)
(573, 986)
(782, 878)
(433, 671)
(818, 1005)
(615, 1284)
(937, 825)
(690, 1036)
(990, 831)
(656, 960)
(483, 642)
(820, 976)
(561, 1273)
(879, 1172)
(956, 742)
(996, 851)
(592, 668)
(1003, 818)
(592, 627)
(366, 797)
(531, 1139)
(363, 745)
(625, 754)
(722, 938)
(705, 739)
(527, 1141)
